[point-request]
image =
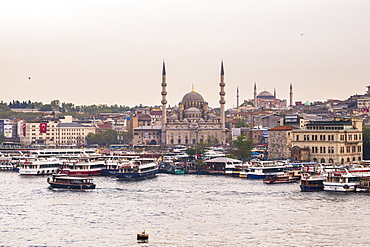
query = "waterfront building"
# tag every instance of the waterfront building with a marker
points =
(192, 121)
(337, 141)
(54, 131)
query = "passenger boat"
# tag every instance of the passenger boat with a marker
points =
(280, 178)
(261, 169)
(6, 163)
(364, 185)
(83, 167)
(39, 166)
(141, 168)
(113, 163)
(338, 181)
(312, 182)
(63, 181)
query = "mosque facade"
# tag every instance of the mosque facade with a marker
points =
(192, 121)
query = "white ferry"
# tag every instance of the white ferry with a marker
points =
(339, 181)
(261, 169)
(39, 166)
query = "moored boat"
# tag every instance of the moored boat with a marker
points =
(312, 182)
(141, 168)
(63, 181)
(280, 178)
(338, 181)
(364, 185)
(83, 167)
(39, 166)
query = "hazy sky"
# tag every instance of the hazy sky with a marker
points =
(111, 52)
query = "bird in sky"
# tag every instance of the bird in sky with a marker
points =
(29, 78)
(302, 34)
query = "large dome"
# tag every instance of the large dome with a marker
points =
(265, 95)
(192, 97)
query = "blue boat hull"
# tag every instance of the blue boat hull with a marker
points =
(109, 172)
(256, 176)
(136, 176)
(307, 188)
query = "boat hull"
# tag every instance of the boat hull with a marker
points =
(308, 188)
(346, 187)
(82, 172)
(136, 175)
(72, 186)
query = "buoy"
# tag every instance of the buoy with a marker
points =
(143, 236)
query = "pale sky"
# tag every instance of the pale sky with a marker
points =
(111, 52)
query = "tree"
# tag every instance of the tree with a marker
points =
(240, 122)
(242, 147)
(366, 142)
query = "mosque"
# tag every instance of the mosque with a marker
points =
(267, 100)
(192, 121)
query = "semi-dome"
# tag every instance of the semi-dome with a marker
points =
(265, 95)
(192, 97)
(192, 110)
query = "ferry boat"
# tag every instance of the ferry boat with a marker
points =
(233, 167)
(6, 163)
(338, 181)
(113, 163)
(38, 166)
(63, 181)
(141, 168)
(261, 169)
(83, 167)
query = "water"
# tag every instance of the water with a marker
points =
(179, 210)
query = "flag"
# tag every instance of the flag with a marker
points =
(43, 127)
(24, 129)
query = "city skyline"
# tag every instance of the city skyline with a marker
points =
(112, 52)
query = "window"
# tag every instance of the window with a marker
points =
(348, 149)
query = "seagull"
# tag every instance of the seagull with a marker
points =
(29, 78)
(302, 34)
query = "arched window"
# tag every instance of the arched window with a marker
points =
(322, 160)
(348, 160)
(314, 160)
(342, 161)
(331, 160)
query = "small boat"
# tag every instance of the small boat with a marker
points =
(280, 178)
(142, 236)
(63, 181)
(141, 168)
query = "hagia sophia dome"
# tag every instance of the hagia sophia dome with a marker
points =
(265, 95)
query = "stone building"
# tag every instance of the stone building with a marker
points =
(280, 142)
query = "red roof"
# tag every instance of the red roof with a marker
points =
(282, 128)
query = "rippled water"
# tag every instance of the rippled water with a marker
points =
(179, 210)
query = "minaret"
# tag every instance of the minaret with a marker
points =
(237, 98)
(222, 104)
(291, 96)
(255, 96)
(274, 92)
(164, 104)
